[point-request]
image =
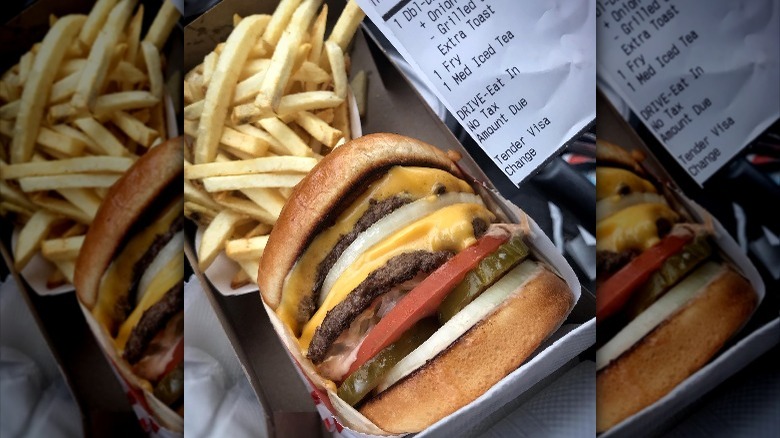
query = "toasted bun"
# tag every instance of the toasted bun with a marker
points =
(481, 357)
(610, 153)
(318, 195)
(674, 350)
(125, 202)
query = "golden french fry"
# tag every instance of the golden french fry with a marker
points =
(337, 68)
(218, 94)
(85, 199)
(247, 89)
(60, 207)
(261, 47)
(62, 249)
(308, 101)
(64, 145)
(134, 128)
(254, 166)
(75, 180)
(95, 20)
(347, 25)
(240, 279)
(11, 194)
(193, 110)
(269, 199)
(134, 36)
(70, 131)
(25, 65)
(101, 137)
(341, 121)
(312, 73)
(246, 249)
(31, 235)
(215, 236)
(359, 86)
(64, 88)
(237, 182)
(209, 65)
(251, 267)
(252, 146)
(253, 66)
(318, 36)
(123, 100)
(200, 214)
(286, 136)
(127, 73)
(68, 269)
(318, 129)
(163, 24)
(99, 164)
(194, 194)
(96, 69)
(279, 20)
(56, 279)
(10, 110)
(258, 230)
(273, 144)
(284, 56)
(191, 128)
(69, 67)
(245, 207)
(39, 82)
(153, 69)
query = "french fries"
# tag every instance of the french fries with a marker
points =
(261, 110)
(75, 113)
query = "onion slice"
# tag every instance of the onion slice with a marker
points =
(468, 317)
(613, 204)
(172, 249)
(385, 227)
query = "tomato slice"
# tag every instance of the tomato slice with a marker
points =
(176, 358)
(613, 294)
(424, 300)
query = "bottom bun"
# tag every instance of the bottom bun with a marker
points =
(674, 350)
(480, 358)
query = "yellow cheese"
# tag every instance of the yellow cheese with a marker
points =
(120, 274)
(416, 182)
(168, 277)
(633, 228)
(616, 181)
(448, 229)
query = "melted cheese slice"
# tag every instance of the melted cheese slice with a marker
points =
(416, 182)
(615, 181)
(115, 284)
(633, 228)
(168, 277)
(448, 229)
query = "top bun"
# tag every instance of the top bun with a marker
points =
(125, 202)
(316, 199)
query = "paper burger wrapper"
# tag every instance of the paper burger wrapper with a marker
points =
(155, 417)
(656, 417)
(564, 344)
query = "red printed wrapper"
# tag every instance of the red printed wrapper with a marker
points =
(154, 416)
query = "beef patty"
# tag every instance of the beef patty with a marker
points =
(152, 321)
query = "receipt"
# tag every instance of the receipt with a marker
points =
(703, 76)
(518, 75)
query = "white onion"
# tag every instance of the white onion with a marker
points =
(388, 225)
(657, 313)
(459, 324)
(613, 204)
(172, 249)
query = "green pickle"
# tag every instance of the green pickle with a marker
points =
(487, 272)
(671, 271)
(171, 387)
(369, 375)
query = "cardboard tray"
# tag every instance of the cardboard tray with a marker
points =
(759, 334)
(393, 106)
(105, 408)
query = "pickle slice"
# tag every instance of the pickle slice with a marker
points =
(487, 272)
(671, 271)
(368, 376)
(171, 387)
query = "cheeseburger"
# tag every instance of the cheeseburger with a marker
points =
(406, 297)
(130, 269)
(667, 299)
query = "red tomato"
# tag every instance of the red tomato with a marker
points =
(613, 294)
(424, 300)
(176, 358)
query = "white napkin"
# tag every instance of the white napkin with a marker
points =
(566, 408)
(34, 400)
(218, 400)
